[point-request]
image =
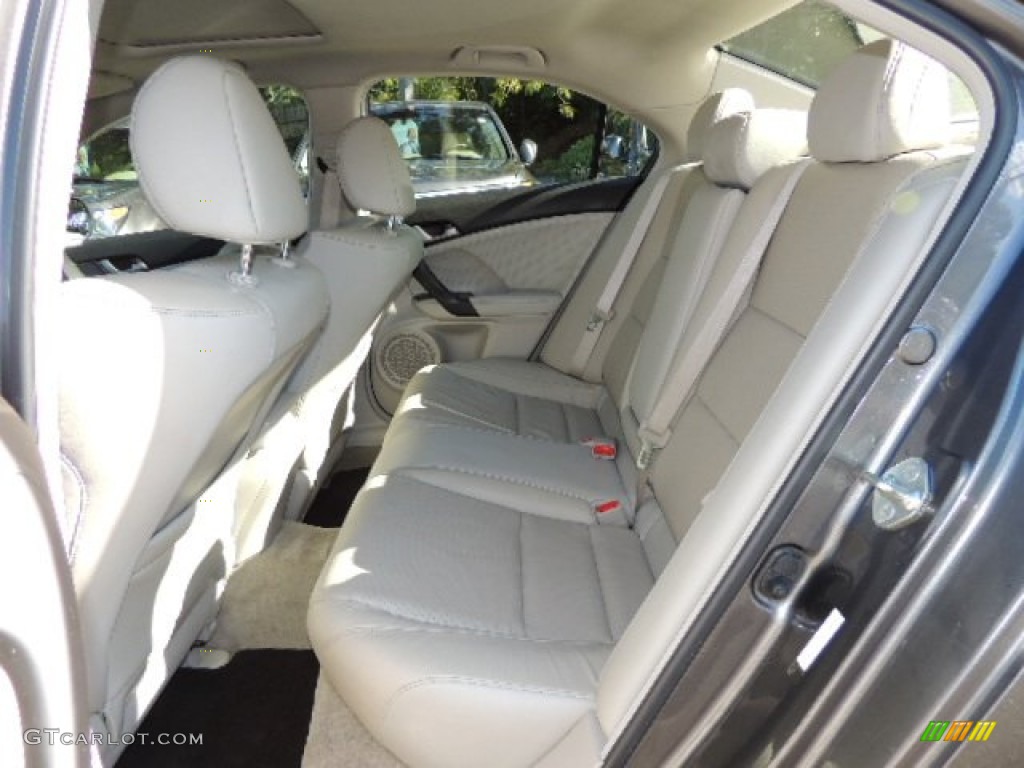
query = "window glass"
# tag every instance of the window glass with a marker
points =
(471, 134)
(804, 43)
(106, 197)
(807, 41)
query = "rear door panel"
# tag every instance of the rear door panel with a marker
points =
(517, 276)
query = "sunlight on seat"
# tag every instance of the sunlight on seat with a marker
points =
(343, 567)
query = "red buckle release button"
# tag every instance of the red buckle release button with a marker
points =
(604, 507)
(601, 447)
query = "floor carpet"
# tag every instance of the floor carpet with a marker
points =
(338, 740)
(331, 504)
(266, 597)
(253, 712)
(259, 709)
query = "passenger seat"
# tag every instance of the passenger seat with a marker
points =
(166, 375)
(364, 262)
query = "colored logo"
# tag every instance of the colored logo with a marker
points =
(958, 730)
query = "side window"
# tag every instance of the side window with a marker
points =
(627, 148)
(474, 134)
(807, 41)
(106, 199)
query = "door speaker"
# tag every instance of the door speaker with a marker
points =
(401, 354)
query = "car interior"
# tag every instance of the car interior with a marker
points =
(560, 419)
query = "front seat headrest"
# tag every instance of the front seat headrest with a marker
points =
(210, 158)
(374, 177)
(717, 106)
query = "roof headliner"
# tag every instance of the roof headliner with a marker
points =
(639, 55)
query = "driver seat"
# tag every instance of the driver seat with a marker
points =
(164, 376)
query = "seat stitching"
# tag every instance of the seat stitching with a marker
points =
(565, 421)
(476, 682)
(447, 409)
(83, 504)
(437, 627)
(776, 321)
(496, 476)
(600, 584)
(711, 411)
(504, 434)
(238, 153)
(522, 578)
(204, 313)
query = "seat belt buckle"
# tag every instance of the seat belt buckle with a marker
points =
(601, 447)
(597, 320)
(645, 456)
(610, 512)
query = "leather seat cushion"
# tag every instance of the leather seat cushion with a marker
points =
(511, 396)
(476, 610)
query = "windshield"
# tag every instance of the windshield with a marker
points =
(107, 157)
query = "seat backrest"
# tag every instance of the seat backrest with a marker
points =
(630, 312)
(853, 231)
(365, 262)
(164, 375)
(737, 150)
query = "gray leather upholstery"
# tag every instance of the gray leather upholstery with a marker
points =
(474, 617)
(717, 106)
(374, 177)
(164, 378)
(220, 167)
(870, 108)
(743, 146)
(533, 401)
(363, 263)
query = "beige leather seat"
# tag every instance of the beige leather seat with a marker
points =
(539, 400)
(471, 629)
(427, 439)
(165, 375)
(364, 263)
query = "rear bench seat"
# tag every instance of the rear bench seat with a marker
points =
(468, 621)
(440, 431)
(535, 400)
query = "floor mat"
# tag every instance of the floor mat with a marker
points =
(338, 740)
(253, 712)
(266, 598)
(331, 504)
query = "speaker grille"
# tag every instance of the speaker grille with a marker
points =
(402, 354)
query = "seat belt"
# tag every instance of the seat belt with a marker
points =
(602, 312)
(656, 429)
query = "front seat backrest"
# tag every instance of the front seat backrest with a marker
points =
(365, 261)
(165, 373)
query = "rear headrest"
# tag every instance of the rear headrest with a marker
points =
(714, 108)
(374, 177)
(884, 100)
(209, 157)
(739, 148)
